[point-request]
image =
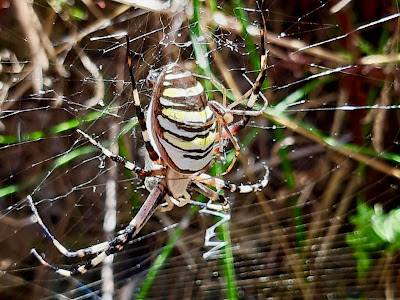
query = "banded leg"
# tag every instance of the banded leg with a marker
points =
(139, 110)
(121, 160)
(237, 150)
(213, 196)
(63, 250)
(254, 92)
(255, 89)
(118, 243)
(236, 127)
(233, 188)
(170, 202)
(224, 114)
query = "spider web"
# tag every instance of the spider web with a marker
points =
(320, 229)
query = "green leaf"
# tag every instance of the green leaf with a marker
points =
(364, 240)
(374, 231)
(77, 13)
(387, 226)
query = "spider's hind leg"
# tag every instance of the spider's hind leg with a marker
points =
(63, 250)
(103, 250)
(217, 202)
(205, 179)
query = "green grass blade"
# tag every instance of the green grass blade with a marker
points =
(250, 46)
(228, 263)
(59, 128)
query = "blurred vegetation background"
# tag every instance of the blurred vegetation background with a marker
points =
(326, 226)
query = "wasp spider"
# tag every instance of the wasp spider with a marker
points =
(180, 134)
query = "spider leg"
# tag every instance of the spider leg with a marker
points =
(254, 92)
(121, 160)
(237, 150)
(169, 206)
(255, 89)
(118, 243)
(171, 201)
(218, 119)
(234, 188)
(63, 250)
(232, 129)
(216, 82)
(213, 196)
(224, 114)
(139, 110)
(223, 118)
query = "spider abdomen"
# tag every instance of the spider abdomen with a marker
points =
(181, 121)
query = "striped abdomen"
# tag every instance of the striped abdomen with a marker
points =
(179, 117)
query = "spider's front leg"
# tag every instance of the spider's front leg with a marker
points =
(224, 114)
(139, 109)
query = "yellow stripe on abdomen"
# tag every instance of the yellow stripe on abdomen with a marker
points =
(181, 92)
(196, 144)
(188, 116)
